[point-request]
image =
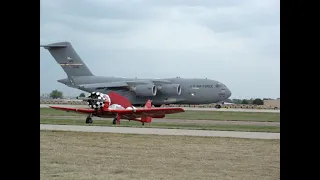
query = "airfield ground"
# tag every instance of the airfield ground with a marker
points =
(185, 108)
(88, 155)
(206, 120)
(196, 115)
(79, 155)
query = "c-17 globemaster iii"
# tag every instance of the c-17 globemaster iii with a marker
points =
(138, 91)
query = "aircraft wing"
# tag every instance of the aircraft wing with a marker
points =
(123, 84)
(159, 81)
(140, 112)
(77, 110)
(104, 85)
(148, 81)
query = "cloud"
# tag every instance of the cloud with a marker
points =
(230, 41)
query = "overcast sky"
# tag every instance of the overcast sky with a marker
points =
(236, 42)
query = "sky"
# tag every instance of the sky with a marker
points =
(236, 42)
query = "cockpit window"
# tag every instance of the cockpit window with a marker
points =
(220, 85)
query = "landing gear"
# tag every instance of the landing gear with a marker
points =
(89, 119)
(157, 105)
(116, 120)
(142, 123)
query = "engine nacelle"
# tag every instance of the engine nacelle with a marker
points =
(98, 100)
(145, 90)
(170, 89)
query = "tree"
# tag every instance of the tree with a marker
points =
(244, 101)
(236, 101)
(82, 95)
(55, 94)
(257, 101)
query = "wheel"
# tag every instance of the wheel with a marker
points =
(218, 106)
(89, 120)
(114, 121)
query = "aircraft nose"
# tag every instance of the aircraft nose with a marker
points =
(228, 93)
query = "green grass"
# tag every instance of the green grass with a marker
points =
(196, 115)
(53, 112)
(245, 128)
(227, 115)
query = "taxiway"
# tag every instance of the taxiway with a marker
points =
(157, 131)
(180, 121)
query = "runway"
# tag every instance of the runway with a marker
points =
(157, 131)
(185, 108)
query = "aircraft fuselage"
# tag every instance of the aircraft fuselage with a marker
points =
(193, 91)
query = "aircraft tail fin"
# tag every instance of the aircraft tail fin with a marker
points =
(68, 59)
(118, 99)
(148, 104)
(147, 119)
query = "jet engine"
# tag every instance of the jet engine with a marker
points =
(97, 100)
(170, 89)
(145, 90)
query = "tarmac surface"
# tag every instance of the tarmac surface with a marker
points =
(157, 131)
(180, 121)
(185, 108)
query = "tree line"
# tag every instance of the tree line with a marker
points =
(56, 94)
(256, 101)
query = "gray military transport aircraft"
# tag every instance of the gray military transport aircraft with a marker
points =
(138, 91)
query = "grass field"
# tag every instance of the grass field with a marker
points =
(196, 115)
(246, 128)
(76, 156)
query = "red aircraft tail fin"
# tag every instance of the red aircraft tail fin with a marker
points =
(148, 104)
(118, 99)
(147, 119)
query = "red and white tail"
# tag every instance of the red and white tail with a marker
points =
(118, 99)
(147, 119)
(148, 104)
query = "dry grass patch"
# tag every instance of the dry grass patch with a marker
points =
(75, 155)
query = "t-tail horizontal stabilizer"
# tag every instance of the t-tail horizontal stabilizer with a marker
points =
(50, 46)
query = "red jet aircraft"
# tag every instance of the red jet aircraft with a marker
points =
(116, 106)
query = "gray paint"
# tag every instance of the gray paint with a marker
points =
(80, 77)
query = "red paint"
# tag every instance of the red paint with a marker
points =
(147, 119)
(118, 99)
(146, 114)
